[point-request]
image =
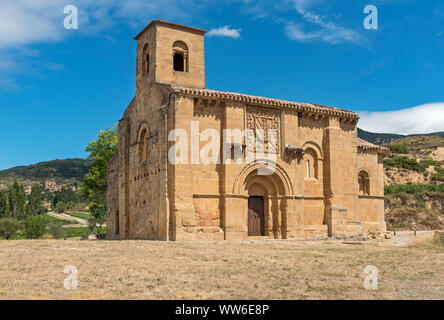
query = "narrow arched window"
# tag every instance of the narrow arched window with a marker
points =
(142, 145)
(145, 60)
(311, 160)
(364, 183)
(308, 169)
(180, 56)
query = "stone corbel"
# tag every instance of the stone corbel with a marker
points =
(293, 151)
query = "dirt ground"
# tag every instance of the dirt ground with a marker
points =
(34, 269)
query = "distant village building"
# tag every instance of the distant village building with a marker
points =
(28, 190)
(324, 182)
(53, 186)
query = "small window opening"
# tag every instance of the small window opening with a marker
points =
(142, 145)
(145, 60)
(147, 63)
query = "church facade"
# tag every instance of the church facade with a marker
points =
(316, 178)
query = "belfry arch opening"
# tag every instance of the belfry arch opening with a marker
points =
(180, 56)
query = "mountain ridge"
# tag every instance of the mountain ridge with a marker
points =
(382, 138)
(61, 170)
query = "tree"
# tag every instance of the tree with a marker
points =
(9, 227)
(17, 200)
(4, 204)
(94, 184)
(60, 207)
(56, 229)
(97, 220)
(67, 196)
(35, 204)
(35, 227)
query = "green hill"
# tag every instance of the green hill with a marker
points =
(382, 138)
(60, 170)
(415, 144)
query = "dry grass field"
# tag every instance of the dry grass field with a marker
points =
(238, 270)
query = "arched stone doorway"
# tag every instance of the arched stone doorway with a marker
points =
(265, 200)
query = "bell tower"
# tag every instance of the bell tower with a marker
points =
(171, 53)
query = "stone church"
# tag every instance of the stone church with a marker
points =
(325, 181)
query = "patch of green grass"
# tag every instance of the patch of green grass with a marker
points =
(79, 215)
(78, 232)
(69, 233)
(48, 219)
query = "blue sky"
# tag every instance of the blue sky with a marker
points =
(59, 87)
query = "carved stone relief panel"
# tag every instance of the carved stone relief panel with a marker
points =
(264, 129)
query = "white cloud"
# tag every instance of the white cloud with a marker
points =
(426, 118)
(295, 32)
(225, 31)
(332, 34)
(25, 23)
(317, 27)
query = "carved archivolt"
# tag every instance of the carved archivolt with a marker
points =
(265, 126)
(280, 177)
(315, 147)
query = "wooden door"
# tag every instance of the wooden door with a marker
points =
(255, 216)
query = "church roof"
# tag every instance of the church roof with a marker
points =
(365, 145)
(232, 96)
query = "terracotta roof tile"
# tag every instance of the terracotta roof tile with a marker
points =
(232, 96)
(365, 145)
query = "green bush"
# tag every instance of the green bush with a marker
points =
(397, 148)
(406, 163)
(413, 188)
(56, 229)
(61, 207)
(439, 241)
(439, 175)
(35, 227)
(9, 227)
